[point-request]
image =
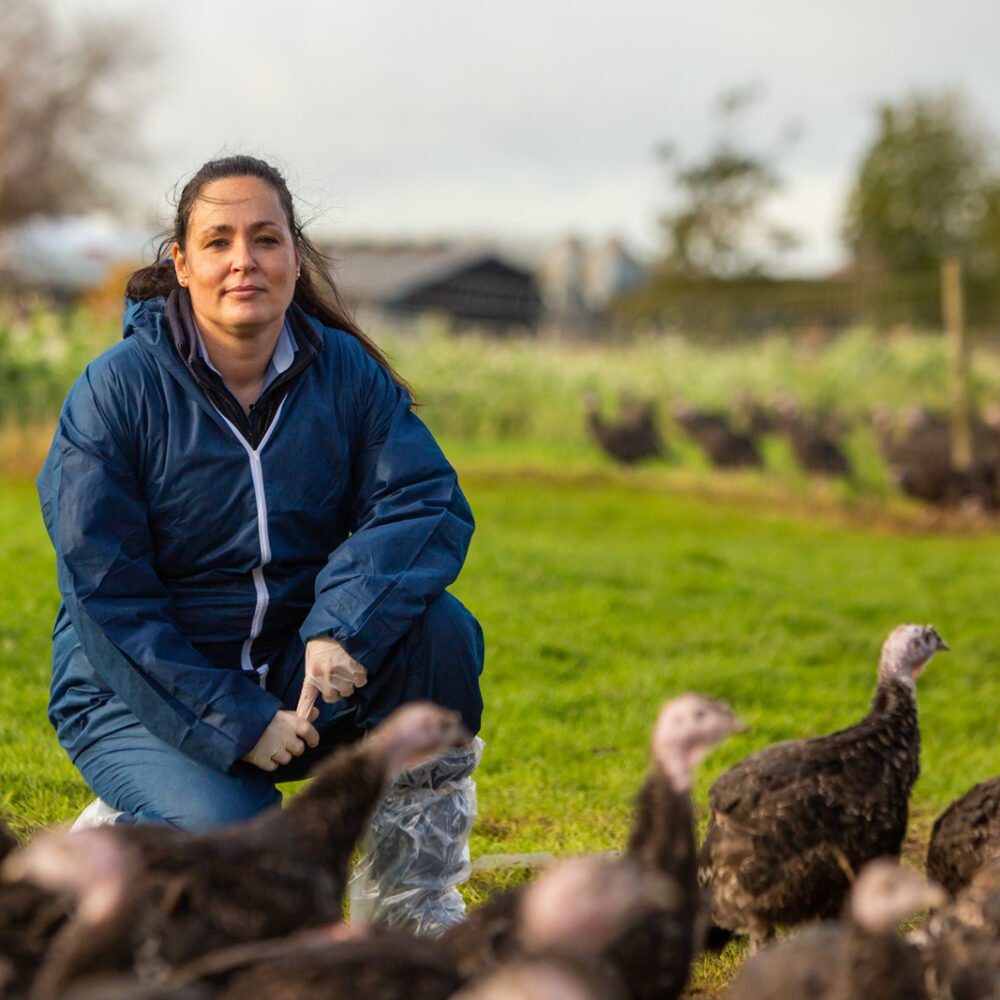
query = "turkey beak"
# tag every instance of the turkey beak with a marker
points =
(931, 632)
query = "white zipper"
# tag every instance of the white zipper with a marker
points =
(260, 584)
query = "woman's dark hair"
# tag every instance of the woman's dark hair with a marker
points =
(315, 290)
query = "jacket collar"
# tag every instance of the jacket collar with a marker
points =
(173, 336)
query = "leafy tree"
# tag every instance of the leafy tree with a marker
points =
(718, 227)
(926, 189)
(65, 104)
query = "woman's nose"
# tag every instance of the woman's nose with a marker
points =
(242, 259)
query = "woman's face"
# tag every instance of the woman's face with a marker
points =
(239, 261)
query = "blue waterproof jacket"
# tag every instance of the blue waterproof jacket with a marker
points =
(193, 565)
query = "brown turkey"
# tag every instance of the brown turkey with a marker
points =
(282, 871)
(961, 945)
(917, 448)
(107, 924)
(790, 824)
(544, 977)
(861, 957)
(725, 447)
(632, 438)
(817, 450)
(30, 918)
(651, 940)
(965, 836)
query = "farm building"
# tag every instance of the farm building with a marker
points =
(583, 280)
(470, 284)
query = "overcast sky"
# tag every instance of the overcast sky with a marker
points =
(535, 120)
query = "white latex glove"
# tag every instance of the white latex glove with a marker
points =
(331, 672)
(285, 737)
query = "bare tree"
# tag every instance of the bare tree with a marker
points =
(65, 106)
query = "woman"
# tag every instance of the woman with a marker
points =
(246, 515)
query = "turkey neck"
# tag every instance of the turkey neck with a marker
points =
(878, 964)
(330, 814)
(894, 707)
(654, 957)
(662, 834)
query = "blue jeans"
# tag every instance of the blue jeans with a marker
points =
(439, 659)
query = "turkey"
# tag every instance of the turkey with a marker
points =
(283, 871)
(30, 918)
(961, 945)
(333, 961)
(630, 439)
(662, 839)
(725, 447)
(815, 448)
(106, 925)
(652, 937)
(570, 917)
(790, 824)
(861, 956)
(918, 453)
(607, 914)
(965, 836)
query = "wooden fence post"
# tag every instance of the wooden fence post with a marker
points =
(953, 314)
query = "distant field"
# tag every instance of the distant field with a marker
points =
(523, 396)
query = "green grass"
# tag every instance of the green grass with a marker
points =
(603, 593)
(37, 783)
(600, 599)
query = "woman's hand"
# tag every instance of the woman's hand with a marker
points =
(286, 737)
(330, 671)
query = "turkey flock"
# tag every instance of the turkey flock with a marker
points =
(800, 856)
(916, 444)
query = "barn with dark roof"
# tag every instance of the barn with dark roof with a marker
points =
(467, 283)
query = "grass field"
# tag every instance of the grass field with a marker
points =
(604, 592)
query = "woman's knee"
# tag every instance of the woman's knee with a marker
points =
(448, 627)
(439, 659)
(445, 658)
(151, 783)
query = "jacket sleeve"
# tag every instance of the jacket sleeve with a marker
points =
(96, 516)
(412, 527)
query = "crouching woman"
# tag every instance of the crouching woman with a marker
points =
(254, 533)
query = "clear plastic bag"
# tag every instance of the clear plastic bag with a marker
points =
(416, 850)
